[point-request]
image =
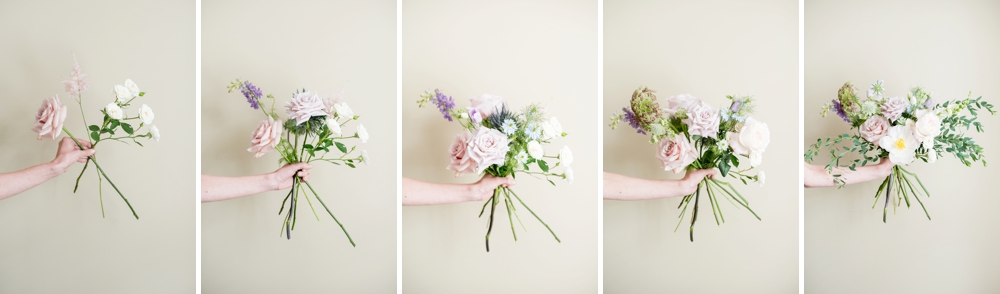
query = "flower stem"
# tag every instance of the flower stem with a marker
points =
(77, 185)
(101, 171)
(533, 213)
(331, 214)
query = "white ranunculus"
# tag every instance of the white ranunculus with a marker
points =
(566, 156)
(122, 94)
(364, 156)
(155, 132)
(334, 127)
(146, 114)
(569, 175)
(343, 110)
(927, 127)
(362, 133)
(114, 111)
(901, 145)
(535, 150)
(760, 178)
(132, 88)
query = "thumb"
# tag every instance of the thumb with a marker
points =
(83, 153)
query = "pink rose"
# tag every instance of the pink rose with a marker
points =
(487, 104)
(49, 118)
(265, 138)
(304, 106)
(703, 120)
(894, 107)
(676, 154)
(681, 101)
(875, 128)
(487, 147)
(460, 161)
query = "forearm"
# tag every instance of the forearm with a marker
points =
(619, 187)
(14, 183)
(817, 176)
(216, 188)
(424, 193)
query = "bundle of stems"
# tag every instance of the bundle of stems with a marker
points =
(504, 194)
(712, 188)
(902, 180)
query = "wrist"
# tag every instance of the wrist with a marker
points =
(272, 181)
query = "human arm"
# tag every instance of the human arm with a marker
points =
(426, 193)
(216, 188)
(619, 187)
(14, 183)
(817, 176)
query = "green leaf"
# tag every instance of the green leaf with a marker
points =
(142, 94)
(543, 165)
(307, 146)
(351, 165)
(114, 124)
(94, 128)
(551, 182)
(137, 142)
(95, 136)
(341, 147)
(127, 128)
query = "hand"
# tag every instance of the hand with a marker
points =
(884, 167)
(693, 177)
(69, 153)
(483, 189)
(282, 178)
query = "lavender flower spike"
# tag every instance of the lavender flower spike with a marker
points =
(444, 103)
(840, 110)
(252, 93)
(630, 118)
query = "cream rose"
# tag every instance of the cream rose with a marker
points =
(146, 114)
(362, 133)
(535, 150)
(113, 111)
(569, 175)
(334, 127)
(122, 93)
(487, 147)
(304, 106)
(894, 107)
(265, 138)
(343, 111)
(132, 88)
(364, 156)
(703, 120)
(733, 140)
(460, 161)
(676, 154)
(875, 128)
(755, 135)
(927, 127)
(155, 133)
(487, 104)
(566, 156)
(49, 118)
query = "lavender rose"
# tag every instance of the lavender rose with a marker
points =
(894, 107)
(703, 120)
(487, 147)
(875, 128)
(49, 118)
(676, 154)
(265, 138)
(487, 104)
(681, 101)
(304, 106)
(460, 161)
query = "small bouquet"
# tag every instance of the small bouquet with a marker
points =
(500, 142)
(691, 134)
(315, 125)
(902, 129)
(51, 115)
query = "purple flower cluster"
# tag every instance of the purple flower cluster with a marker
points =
(630, 118)
(252, 93)
(840, 110)
(444, 103)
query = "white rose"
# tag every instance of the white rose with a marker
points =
(155, 132)
(552, 128)
(362, 133)
(734, 142)
(566, 156)
(146, 114)
(755, 135)
(132, 88)
(334, 127)
(114, 111)
(343, 110)
(760, 178)
(122, 94)
(535, 150)
(364, 156)
(927, 127)
(569, 175)
(487, 104)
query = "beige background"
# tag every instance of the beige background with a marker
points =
(948, 48)
(281, 46)
(524, 51)
(55, 241)
(709, 50)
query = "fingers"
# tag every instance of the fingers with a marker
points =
(304, 175)
(85, 144)
(81, 155)
(507, 182)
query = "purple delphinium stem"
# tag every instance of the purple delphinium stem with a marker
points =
(252, 93)
(840, 110)
(630, 118)
(444, 104)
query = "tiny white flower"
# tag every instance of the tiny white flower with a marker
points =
(343, 110)
(869, 108)
(463, 115)
(932, 156)
(760, 178)
(362, 133)
(755, 158)
(569, 175)
(722, 144)
(146, 114)
(566, 156)
(522, 157)
(364, 156)
(155, 133)
(535, 150)
(334, 127)
(114, 111)
(132, 88)
(556, 127)
(122, 94)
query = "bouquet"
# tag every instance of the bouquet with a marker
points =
(903, 129)
(314, 125)
(51, 115)
(691, 134)
(501, 142)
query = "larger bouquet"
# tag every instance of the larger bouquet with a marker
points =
(903, 129)
(691, 134)
(51, 115)
(500, 142)
(315, 125)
